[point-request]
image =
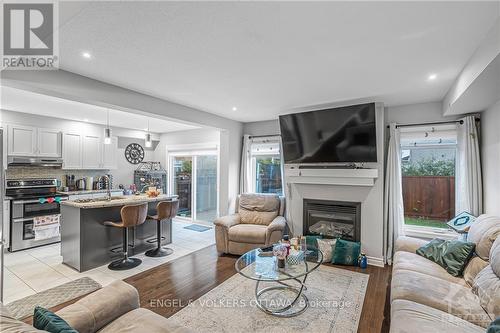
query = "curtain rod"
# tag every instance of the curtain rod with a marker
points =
(263, 136)
(433, 123)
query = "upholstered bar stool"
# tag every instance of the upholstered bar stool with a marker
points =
(132, 215)
(165, 210)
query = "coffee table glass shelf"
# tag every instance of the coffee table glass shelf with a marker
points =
(283, 292)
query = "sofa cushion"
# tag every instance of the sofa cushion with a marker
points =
(248, 233)
(409, 317)
(143, 320)
(487, 287)
(9, 324)
(413, 262)
(440, 294)
(487, 282)
(483, 233)
(452, 255)
(258, 208)
(474, 266)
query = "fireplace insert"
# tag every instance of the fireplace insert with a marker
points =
(332, 219)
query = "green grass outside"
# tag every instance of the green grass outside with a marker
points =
(422, 222)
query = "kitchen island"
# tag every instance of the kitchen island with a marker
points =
(87, 243)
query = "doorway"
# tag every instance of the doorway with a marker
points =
(194, 178)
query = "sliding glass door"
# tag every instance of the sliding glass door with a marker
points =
(194, 178)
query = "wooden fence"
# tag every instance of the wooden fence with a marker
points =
(431, 197)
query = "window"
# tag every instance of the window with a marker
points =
(428, 176)
(265, 164)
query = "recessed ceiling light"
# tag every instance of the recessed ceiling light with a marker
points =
(86, 120)
(234, 108)
(86, 55)
(432, 77)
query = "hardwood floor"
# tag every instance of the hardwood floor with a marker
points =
(169, 287)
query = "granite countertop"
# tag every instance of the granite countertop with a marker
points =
(89, 191)
(116, 201)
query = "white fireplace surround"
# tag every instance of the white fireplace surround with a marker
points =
(356, 185)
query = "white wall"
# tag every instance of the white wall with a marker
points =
(416, 113)
(490, 124)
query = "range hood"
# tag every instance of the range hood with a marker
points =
(28, 161)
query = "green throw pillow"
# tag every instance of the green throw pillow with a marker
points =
(346, 253)
(452, 255)
(46, 320)
(312, 242)
(494, 327)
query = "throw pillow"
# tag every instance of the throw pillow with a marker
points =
(46, 320)
(494, 327)
(312, 242)
(452, 255)
(325, 246)
(346, 253)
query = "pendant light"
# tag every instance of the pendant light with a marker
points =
(107, 130)
(149, 143)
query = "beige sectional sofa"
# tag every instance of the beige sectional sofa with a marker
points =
(426, 298)
(112, 309)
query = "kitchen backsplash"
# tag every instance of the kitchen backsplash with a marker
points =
(51, 173)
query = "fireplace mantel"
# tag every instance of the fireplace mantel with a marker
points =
(346, 177)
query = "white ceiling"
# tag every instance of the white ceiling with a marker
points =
(267, 58)
(43, 105)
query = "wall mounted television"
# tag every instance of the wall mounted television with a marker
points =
(337, 135)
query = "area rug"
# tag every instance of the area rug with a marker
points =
(197, 227)
(24, 307)
(335, 295)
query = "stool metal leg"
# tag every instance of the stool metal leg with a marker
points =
(159, 251)
(125, 262)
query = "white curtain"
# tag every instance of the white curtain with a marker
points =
(245, 172)
(469, 186)
(393, 196)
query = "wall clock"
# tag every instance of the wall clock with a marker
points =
(134, 153)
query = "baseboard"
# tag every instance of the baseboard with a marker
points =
(374, 261)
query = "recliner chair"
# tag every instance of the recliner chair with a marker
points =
(258, 221)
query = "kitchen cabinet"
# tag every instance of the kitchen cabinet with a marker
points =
(92, 152)
(89, 152)
(110, 154)
(4, 146)
(22, 140)
(72, 151)
(6, 222)
(33, 141)
(49, 142)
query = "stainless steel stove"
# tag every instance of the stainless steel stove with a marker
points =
(31, 199)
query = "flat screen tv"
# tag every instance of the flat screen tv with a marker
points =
(339, 135)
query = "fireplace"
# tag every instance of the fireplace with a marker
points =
(332, 219)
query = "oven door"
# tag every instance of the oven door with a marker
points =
(23, 235)
(32, 208)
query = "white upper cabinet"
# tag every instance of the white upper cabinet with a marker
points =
(110, 154)
(4, 146)
(32, 141)
(49, 142)
(22, 140)
(92, 152)
(72, 151)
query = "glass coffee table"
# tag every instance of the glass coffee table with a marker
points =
(286, 298)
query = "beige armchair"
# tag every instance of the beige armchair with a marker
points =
(259, 221)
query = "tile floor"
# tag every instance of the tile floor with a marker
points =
(31, 271)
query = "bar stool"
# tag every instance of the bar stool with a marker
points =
(132, 215)
(164, 210)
